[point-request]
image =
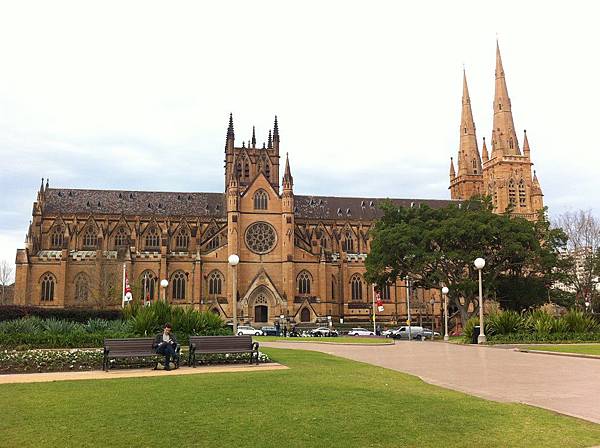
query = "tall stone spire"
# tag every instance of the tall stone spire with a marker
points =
(526, 150)
(452, 172)
(288, 180)
(469, 159)
(253, 137)
(504, 137)
(270, 141)
(276, 135)
(484, 152)
(229, 140)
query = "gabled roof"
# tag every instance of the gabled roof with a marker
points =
(158, 203)
(213, 205)
(367, 209)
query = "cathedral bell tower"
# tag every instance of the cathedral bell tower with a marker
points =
(251, 159)
(505, 175)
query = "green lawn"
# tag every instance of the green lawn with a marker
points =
(585, 349)
(335, 340)
(322, 401)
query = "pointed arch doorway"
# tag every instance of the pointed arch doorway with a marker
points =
(260, 303)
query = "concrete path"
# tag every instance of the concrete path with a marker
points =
(133, 373)
(567, 385)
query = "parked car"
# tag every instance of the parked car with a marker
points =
(242, 329)
(390, 332)
(323, 331)
(427, 333)
(415, 333)
(269, 331)
(360, 332)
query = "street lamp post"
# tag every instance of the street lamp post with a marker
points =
(445, 292)
(164, 283)
(233, 262)
(432, 302)
(479, 265)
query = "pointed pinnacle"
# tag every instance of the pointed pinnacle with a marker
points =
(452, 172)
(253, 137)
(275, 128)
(230, 127)
(525, 142)
(499, 68)
(270, 141)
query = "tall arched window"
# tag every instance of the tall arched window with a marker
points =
(215, 283)
(121, 238)
(182, 240)
(348, 245)
(356, 283)
(57, 237)
(82, 287)
(303, 283)
(148, 286)
(152, 239)
(260, 200)
(511, 192)
(384, 292)
(522, 195)
(178, 282)
(47, 288)
(214, 243)
(238, 168)
(333, 287)
(90, 238)
(246, 168)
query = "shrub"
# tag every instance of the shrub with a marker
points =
(82, 315)
(539, 321)
(504, 322)
(578, 322)
(526, 338)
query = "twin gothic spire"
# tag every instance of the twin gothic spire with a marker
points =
(504, 137)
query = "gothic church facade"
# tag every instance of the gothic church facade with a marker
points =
(301, 257)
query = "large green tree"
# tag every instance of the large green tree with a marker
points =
(436, 247)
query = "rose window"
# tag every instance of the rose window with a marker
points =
(261, 237)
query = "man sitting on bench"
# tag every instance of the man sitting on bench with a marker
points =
(165, 343)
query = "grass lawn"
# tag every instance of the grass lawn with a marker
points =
(334, 340)
(322, 401)
(585, 349)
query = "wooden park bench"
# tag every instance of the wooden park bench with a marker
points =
(131, 348)
(204, 345)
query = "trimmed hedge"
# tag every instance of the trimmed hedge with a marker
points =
(12, 312)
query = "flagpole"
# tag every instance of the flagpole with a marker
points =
(123, 291)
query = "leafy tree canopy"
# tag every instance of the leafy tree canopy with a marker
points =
(436, 247)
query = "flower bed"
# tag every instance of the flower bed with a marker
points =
(42, 360)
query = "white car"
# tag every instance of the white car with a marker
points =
(248, 330)
(360, 332)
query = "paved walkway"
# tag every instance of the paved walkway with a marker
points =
(133, 373)
(567, 385)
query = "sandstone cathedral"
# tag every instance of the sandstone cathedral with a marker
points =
(301, 257)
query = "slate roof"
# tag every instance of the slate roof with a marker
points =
(67, 201)
(328, 207)
(71, 201)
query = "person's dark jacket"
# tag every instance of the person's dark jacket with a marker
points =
(158, 340)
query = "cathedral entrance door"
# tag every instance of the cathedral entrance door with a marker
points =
(261, 313)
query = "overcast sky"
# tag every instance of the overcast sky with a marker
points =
(136, 95)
